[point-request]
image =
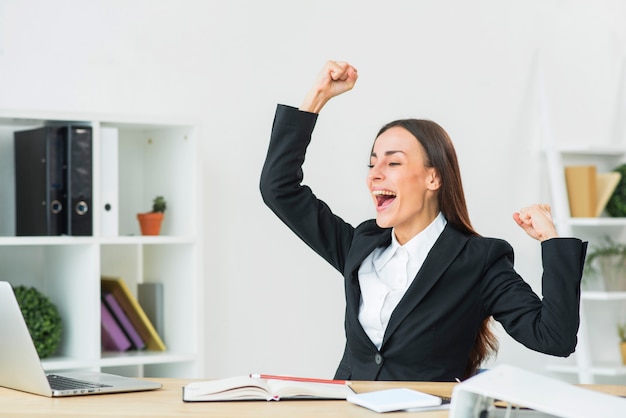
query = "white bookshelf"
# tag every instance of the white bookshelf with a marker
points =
(597, 353)
(156, 157)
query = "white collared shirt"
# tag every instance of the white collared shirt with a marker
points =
(386, 274)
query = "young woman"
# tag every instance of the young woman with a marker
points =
(420, 284)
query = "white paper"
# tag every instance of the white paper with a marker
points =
(394, 399)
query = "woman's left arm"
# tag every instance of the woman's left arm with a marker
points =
(548, 324)
(537, 221)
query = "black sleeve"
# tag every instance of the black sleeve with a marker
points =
(548, 324)
(295, 204)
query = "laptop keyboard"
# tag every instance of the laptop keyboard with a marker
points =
(65, 383)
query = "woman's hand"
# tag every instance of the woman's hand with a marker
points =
(536, 220)
(335, 78)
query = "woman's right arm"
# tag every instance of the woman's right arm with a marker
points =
(336, 77)
(281, 179)
(294, 203)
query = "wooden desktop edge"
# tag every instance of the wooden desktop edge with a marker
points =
(167, 402)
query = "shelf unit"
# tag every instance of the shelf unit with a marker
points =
(597, 353)
(155, 157)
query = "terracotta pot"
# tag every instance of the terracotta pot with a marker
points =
(622, 347)
(150, 222)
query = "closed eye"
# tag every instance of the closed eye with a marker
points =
(392, 164)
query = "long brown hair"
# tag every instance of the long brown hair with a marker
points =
(441, 155)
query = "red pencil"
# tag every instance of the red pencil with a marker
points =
(299, 379)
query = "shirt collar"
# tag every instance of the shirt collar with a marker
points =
(425, 239)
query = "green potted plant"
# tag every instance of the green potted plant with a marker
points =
(150, 222)
(621, 331)
(607, 262)
(42, 319)
(616, 206)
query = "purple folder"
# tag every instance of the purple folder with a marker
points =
(124, 322)
(113, 338)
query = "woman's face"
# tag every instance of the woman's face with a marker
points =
(403, 188)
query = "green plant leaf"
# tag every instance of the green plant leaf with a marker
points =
(42, 319)
(159, 204)
(616, 206)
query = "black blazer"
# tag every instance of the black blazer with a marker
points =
(463, 280)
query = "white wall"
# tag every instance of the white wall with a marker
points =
(273, 305)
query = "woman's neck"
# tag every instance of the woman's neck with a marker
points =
(404, 233)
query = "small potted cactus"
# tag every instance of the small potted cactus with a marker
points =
(150, 222)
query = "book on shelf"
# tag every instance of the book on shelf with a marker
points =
(150, 297)
(588, 191)
(249, 388)
(581, 190)
(122, 319)
(120, 290)
(111, 334)
(606, 184)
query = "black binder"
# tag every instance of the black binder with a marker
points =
(79, 179)
(53, 181)
(39, 182)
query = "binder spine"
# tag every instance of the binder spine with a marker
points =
(109, 185)
(39, 182)
(79, 180)
(56, 183)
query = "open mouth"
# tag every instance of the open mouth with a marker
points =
(383, 198)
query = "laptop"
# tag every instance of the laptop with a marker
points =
(21, 369)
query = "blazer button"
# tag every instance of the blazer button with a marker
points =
(378, 358)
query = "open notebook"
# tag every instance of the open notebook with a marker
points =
(21, 369)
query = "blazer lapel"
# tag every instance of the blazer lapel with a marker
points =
(362, 246)
(443, 253)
